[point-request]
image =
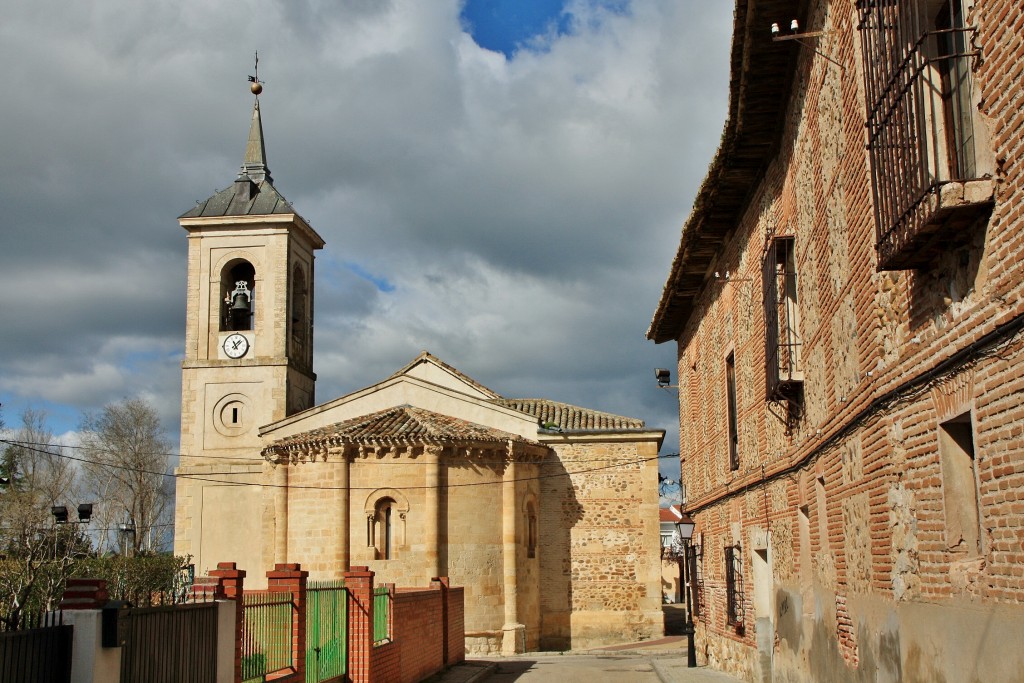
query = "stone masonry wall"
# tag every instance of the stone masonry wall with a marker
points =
(599, 544)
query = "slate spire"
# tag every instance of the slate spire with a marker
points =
(255, 164)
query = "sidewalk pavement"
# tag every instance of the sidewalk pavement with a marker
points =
(667, 656)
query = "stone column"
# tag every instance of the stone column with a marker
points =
(279, 479)
(513, 633)
(432, 511)
(343, 505)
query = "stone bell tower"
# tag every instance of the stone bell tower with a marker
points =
(248, 350)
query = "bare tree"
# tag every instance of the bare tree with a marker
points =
(127, 461)
(38, 555)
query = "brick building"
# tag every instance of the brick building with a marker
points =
(847, 305)
(545, 512)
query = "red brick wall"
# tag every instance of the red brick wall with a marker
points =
(876, 535)
(456, 626)
(419, 630)
(387, 663)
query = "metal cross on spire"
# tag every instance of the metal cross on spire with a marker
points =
(257, 85)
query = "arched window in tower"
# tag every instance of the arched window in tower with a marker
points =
(300, 315)
(238, 301)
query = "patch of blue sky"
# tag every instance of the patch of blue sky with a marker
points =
(506, 25)
(379, 281)
(60, 418)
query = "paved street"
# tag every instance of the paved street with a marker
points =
(652, 661)
(664, 663)
(574, 669)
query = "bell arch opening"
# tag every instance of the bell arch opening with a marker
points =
(238, 300)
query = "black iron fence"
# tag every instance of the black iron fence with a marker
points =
(38, 651)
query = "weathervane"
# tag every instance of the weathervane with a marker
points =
(257, 85)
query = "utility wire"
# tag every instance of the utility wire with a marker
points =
(260, 459)
(208, 477)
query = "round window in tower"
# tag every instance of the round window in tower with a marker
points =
(232, 415)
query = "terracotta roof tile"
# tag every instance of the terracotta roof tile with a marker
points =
(399, 425)
(563, 416)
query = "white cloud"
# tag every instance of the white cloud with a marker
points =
(525, 210)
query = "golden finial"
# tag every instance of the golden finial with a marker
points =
(257, 86)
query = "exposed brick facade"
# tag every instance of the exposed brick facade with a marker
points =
(853, 522)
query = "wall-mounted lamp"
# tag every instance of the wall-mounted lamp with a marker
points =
(664, 377)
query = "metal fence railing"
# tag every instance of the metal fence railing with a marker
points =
(36, 650)
(266, 634)
(326, 630)
(381, 607)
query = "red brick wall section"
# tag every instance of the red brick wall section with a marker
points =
(419, 631)
(359, 582)
(291, 578)
(456, 625)
(84, 594)
(387, 663)
(453, 620)
(229, 582)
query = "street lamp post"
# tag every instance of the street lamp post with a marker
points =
(684, 527)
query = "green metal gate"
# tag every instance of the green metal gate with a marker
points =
(266, 634)
(326, 630)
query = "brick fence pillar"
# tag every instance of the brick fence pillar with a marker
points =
(291, 578)
(359, 582)
(228, 583)
(441, 583)
(84, 594)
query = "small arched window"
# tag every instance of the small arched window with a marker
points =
(238, 296)
(385, 518)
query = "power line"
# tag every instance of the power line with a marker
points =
(260, 459)
(207, 476)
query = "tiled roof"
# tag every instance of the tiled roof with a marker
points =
(399, 425)
(562, 416)
(762, 74)
(669, 514)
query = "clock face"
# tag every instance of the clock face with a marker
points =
(235, 345)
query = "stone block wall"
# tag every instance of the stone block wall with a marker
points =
(600, 539)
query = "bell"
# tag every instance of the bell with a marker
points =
(240, 302)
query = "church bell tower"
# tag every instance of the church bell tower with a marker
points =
(248, 343)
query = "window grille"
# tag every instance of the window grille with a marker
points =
(734, 431)
(733, 586)
(783, 345)
(917, 60)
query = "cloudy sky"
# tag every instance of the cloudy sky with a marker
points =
(500, 182)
